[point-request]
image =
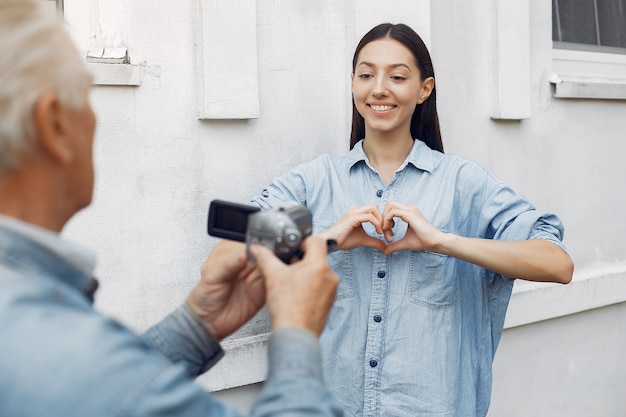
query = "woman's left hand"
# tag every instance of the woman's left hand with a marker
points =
(348, 232)
(533, 260)
(420, 234)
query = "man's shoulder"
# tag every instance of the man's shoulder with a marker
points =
(56, 347)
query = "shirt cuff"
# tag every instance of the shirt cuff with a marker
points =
(294, 350)
(182, 338)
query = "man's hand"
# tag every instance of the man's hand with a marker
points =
(231, 290)
(300, 294)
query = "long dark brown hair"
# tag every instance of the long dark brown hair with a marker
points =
(424, 122)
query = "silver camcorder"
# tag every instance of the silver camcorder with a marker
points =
(281, 229)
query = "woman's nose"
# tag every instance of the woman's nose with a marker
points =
(380, 87)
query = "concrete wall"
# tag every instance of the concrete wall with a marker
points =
(158, 166)
(572, 366)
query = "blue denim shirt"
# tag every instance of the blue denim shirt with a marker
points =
(60, 358)
(413, 334)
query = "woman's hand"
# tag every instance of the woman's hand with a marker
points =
(348, 231)
(420, 234)
(532, 260)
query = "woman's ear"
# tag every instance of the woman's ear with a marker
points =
(52, 128)
(427, 88)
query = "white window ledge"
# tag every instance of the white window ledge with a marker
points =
(245, 363)
(591, 288)
(589, 75)
(115, 74)
(591, 88)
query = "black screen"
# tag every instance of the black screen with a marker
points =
(229, 220)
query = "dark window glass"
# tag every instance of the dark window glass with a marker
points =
(601, 23)
(612, 23)
(577, 21)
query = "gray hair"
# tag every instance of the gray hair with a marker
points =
(37, 55)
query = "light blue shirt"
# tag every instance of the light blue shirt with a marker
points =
(413, 334)
(60, 358)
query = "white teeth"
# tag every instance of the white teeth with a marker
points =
(381, 108)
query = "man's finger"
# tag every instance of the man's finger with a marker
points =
(225, 270)
(264, 257)
(235, 264)
(314, 247)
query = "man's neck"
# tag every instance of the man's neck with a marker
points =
(31, 197)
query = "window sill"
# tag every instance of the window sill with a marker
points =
(115, 74)
(594, 287)
(245, 363)
(589, 88)
(588, 75)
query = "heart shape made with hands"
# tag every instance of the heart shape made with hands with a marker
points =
(420, 234)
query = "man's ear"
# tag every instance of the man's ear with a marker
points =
(52, 128)
(427, 87)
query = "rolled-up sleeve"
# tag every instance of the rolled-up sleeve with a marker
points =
(182, 338)
(510, 216)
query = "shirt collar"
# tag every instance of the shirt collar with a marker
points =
(420, 156)
(75, 256)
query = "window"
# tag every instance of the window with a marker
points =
(594, 25)
(589, 54)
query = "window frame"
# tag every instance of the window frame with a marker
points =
(586, 71)
(597, 47)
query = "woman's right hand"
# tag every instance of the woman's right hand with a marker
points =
(348, 232)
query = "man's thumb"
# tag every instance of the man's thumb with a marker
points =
(264, 257)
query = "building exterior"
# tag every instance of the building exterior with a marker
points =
(206, 99)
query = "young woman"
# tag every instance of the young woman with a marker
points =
(429, 245)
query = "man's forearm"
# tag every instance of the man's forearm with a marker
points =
(182, 338)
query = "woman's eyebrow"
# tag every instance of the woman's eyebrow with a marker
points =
(369, 64)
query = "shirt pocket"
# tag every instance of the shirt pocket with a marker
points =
(342, 263)
(432, 280)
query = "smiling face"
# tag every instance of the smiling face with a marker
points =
(387, 85)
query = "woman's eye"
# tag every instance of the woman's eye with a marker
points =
(397, 78)
(365, 76)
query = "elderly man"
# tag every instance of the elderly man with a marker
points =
(58, 356)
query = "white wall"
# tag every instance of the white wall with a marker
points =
(158, 166)
(572, 366)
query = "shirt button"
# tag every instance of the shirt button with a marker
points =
(373, 363)
(381, 274)
(379, 193)
(378, 318)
